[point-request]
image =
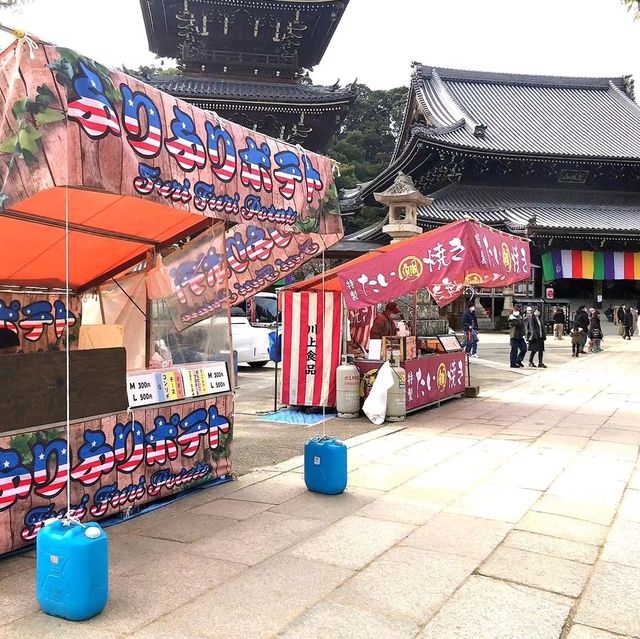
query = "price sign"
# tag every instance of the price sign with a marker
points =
(217, 377)
(142, 389)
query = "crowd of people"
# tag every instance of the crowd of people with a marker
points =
(527, 331)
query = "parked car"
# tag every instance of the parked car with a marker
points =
(251, 323)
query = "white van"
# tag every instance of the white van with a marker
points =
(251, 323)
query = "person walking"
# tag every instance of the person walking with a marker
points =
(620, 314)
(516, 339)
(627, 322)
(470, 329)
(576, 340)
(582, 320)
(536, 337)
(634, 320)
(558, 323)
(595, 332)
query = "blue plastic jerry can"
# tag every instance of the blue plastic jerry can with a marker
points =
(72, 569)
(325, 465)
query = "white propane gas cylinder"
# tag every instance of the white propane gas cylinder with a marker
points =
(396, 396)
(347, 391)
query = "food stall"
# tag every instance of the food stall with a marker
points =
(443, 261)
(155, 216)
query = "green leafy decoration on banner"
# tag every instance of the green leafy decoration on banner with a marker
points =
(23, 444)
(328, 205)
(67, 66)
(31, 116)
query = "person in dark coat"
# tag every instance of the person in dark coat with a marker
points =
(609, 313)
(627, 321)
(516, 339)
(558, 323)
(536, 337)
(595, 332)
(470, 328)
(581, 319)
(620, 313)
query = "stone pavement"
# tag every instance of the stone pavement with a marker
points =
(514, 515)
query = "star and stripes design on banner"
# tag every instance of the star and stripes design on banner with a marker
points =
(312, 329)
(591, 265)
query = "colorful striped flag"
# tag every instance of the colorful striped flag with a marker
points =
(603, 265)
(312, 330)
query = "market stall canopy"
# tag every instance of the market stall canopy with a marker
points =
(444, 261)
(132, 168)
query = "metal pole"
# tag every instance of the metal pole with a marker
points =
(275, 391)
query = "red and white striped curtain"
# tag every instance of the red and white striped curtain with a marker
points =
(312, 330)
(360, 323)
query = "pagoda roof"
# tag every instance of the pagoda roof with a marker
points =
(523, 114)
(542, 209)
(163, 27)
(586, 213)
(245, 92)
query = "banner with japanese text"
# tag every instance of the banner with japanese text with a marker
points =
(312, 330)
(124, 148)
(116, 463)
(443, 261)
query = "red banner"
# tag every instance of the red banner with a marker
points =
(443, 261)
(312, 327)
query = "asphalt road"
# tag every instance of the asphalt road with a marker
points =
(258, 443)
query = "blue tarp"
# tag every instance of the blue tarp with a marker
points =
(292, 416)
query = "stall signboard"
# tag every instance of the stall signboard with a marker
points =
(69, 121)
(40, 320)
(189, 381)
(428, 379)
(444, 261)
(115, 463)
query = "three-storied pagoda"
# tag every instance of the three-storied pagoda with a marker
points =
(246, 60)
(556, 159)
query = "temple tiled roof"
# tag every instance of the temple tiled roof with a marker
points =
(216, 90)
(515, 208)
(540, 115)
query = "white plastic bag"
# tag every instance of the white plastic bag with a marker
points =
(375, 406)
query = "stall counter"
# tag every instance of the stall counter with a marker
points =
(429, 380)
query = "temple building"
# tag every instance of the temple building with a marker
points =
(247, 60)
(554, 159)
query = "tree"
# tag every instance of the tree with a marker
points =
(633, 6)
(365, 143)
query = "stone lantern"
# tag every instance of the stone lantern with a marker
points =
(403, 200)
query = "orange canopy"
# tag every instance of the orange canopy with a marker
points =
(107, 233)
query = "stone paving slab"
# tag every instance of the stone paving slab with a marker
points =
(575, 509)
(552, 546)
(563, 527)
(503, 503)
(585, 632)
(485, 608)
(232, 508)
(612, 600)
(623, 543)
(537, 570)
(409, 583)
(261, 601)
(461, 535)
(255, 539)
(340, 621)
(353, 541)
(328, 508)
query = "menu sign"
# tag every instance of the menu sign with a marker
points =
(171, 384)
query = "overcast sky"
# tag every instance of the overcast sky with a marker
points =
(378, 39)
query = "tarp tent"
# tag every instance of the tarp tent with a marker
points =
(444, 261)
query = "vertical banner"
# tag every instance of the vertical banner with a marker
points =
(312, 329)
